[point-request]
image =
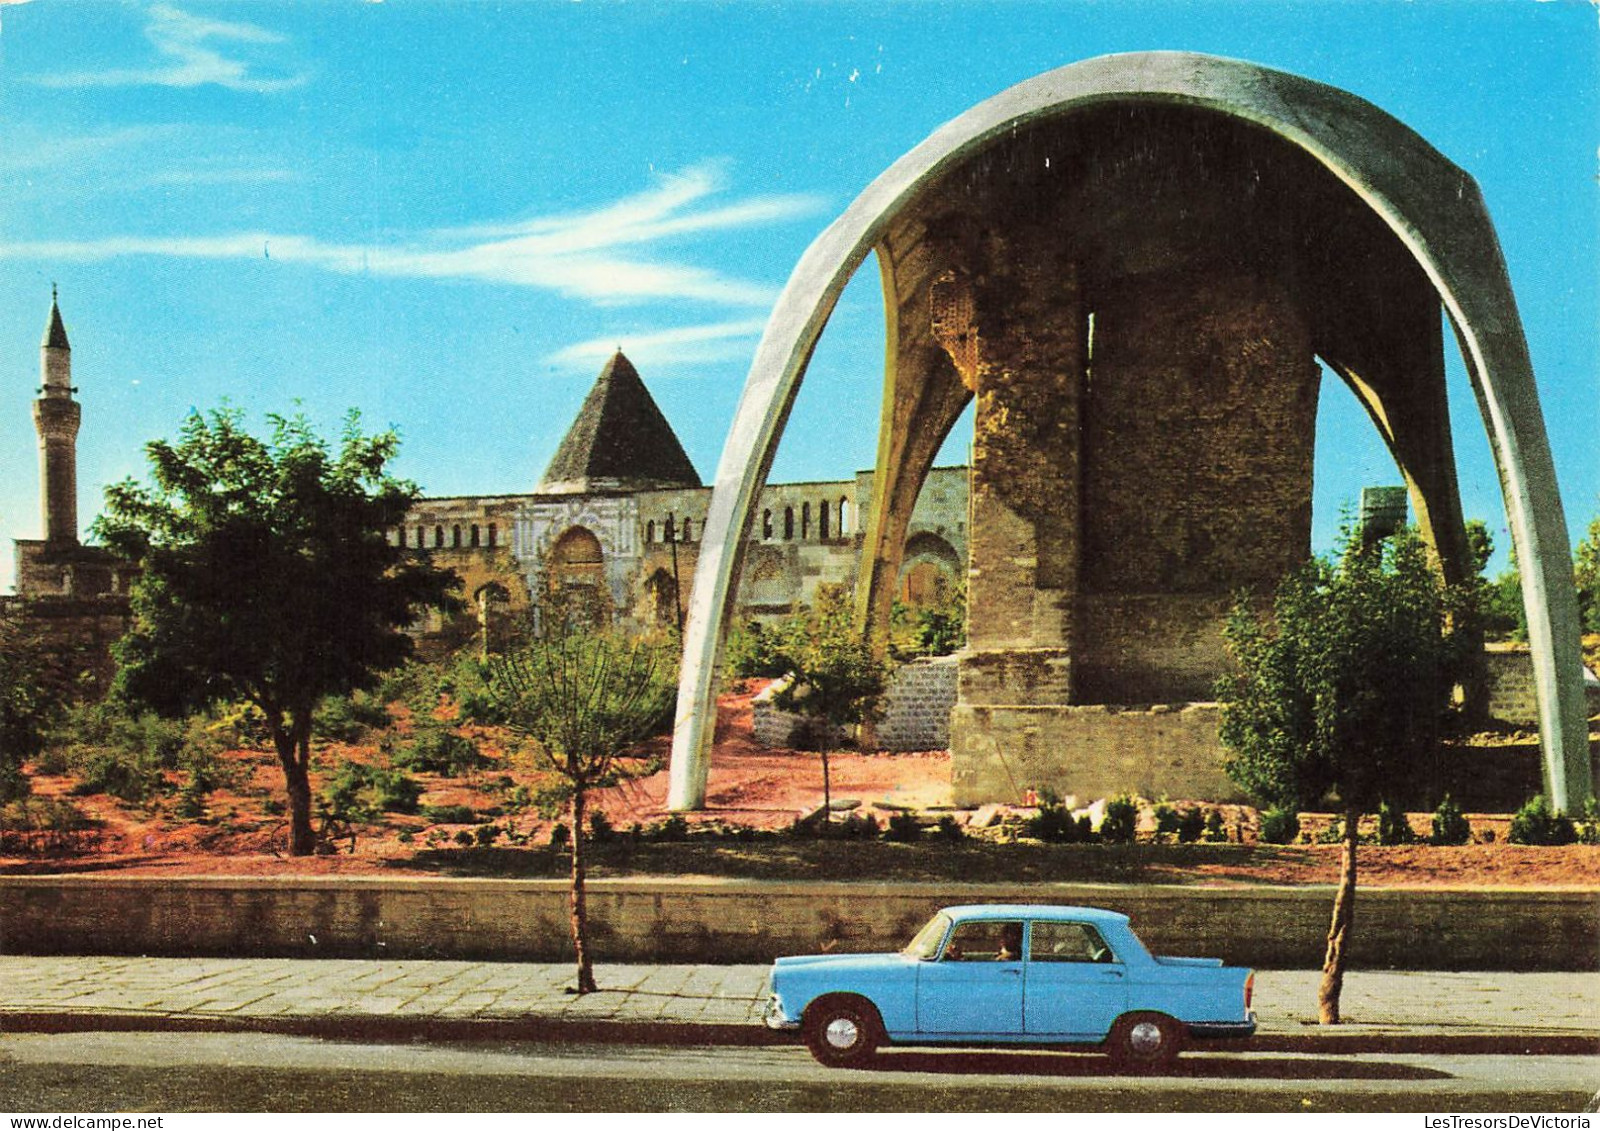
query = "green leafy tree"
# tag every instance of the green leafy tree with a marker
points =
(1586, 573)
(266, 575)
(31, 693)
(833, 678)
(1342, 690)
(584, 695)
(1496, 606)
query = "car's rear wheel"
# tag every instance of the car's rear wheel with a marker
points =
(1145, 1042)
(842, 1032)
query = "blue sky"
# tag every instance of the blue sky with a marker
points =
(447, 215)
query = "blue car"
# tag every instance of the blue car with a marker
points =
(1012, 974)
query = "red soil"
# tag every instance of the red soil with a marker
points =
(749, 785)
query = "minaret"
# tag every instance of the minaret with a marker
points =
(56, 416)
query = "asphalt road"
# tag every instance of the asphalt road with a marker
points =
(84, 1072)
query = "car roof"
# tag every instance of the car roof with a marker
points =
(1033, 911)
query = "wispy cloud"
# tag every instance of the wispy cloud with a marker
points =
(605, 256)
(29, 150)
(660, 349)
(191, 50)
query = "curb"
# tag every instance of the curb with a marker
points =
(550, 1030)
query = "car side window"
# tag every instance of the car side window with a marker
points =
(985, 940)
(1068, 942)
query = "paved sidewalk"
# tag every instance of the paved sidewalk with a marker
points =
(714, 1004)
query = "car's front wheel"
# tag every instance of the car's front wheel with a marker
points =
(1145, 1042)
(842, 1032)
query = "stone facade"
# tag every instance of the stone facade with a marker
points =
(630, 543)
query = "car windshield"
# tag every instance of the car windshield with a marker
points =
(926, 944)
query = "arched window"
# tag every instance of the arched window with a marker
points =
(844, 517)
(805, 521)
(686, 527)
(455, 537)
(788, 524)
(672, 534)
(822, 520)
(766, 525)
(650, 532)
(438, 537)
(575, 570)
(494, 535)
(474, 533)
(422, 537)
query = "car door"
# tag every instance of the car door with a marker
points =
(1074, 985)
(974, 987)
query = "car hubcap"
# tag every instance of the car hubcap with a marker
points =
(1145, 1037)
(842, 1033)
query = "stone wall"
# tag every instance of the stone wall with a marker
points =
(688, 920)
(998, 752)
(916, 710)
(917, 707)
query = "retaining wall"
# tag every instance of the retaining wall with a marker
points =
(916, 710)
(672, 920)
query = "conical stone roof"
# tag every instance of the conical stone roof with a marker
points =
(619, 442)
(55, 334)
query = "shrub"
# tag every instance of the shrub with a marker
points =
(673, 829)
(949, 830)
(42, 814)
(348, 718)
(1333, 833)
(1121, 820)
(560, 837)
(127, 775)
(1449, 825)
(1279, 826)
(1168, 820)
(601, 831)
(1191, 824)
(1535, 823)
(439, 750)
(1589, 822)
(449, 814)
(358, 792)
(1215, 831)
(856, 826)
(1393, 828)
(485, 835)
(1054, 823)
(757, 652)
(904, 828)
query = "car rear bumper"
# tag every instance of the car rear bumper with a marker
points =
(1222, 1030)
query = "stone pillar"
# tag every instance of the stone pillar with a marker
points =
(1023, 539)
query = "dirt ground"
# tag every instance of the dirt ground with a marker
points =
(753, 799)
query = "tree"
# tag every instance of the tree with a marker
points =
(833, 678)
(31, 691)
(1343, 690)
(1586, 574)
(584, 693)
(267, 576)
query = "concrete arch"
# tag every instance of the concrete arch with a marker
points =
(1431, 206)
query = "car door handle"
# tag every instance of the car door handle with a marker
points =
(1014, 971)
(1111, 974)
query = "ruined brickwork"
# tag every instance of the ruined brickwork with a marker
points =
(1128, 299)
(917, 703)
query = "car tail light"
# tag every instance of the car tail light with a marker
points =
(1249, 990)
